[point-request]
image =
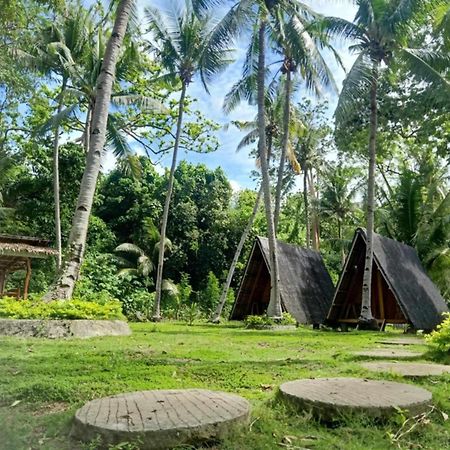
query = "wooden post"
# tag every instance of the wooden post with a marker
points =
(27, 280)
(380, 293)
(2, 282)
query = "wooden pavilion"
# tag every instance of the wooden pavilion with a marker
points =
(402, 292)
(305, 284)
(16, 253)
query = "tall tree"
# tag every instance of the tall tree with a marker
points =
(381, 31)
(185, 48)
(261, 16)
(64, 285)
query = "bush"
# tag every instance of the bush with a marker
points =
(262, 322)
(138, 305)
(63, 309)
(258, 322)
(440, 338)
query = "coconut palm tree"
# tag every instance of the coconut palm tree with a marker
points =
(337, 199)
(62, 44)
(184, 46)
(133, 260)
(64, 285)
(380, 32)
(262, 18)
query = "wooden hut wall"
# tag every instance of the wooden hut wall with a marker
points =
(254, 294)
(347, 304)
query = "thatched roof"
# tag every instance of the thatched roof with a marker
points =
(305, 284)
(14, 250)
(416, 295)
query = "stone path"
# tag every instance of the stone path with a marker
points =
(327, 398)
(394, 353)
(160, 419)
(408, 369)
(403, 341)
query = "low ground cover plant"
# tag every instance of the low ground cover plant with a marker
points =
(262, 322)
(440, 338)
(74, 309)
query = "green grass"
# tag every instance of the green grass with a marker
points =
(51, 379)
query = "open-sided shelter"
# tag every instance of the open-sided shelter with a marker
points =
(16, 253)
(305, 284)
(402, 292)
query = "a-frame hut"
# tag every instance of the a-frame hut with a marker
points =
(16, 253)
(402, 292)
(305, 284)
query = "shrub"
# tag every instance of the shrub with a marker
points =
(190, 313)
(440, 338)
(262, 322)
(138, 305)
(209, 296)
(258, 322)
(63, 309)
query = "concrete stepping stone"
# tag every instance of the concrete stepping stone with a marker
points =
(392, 353)
(328, 398)
(403, 341)
(408, 369)
(160, 419)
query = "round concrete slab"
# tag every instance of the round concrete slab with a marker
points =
(392, 353)
(408, 369)
(328, 398)
(160, 419)
(403, 341)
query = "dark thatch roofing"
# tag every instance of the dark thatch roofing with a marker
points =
(305, 284)
(417, 296)
(14, 250)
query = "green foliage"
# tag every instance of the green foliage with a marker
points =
(264, 322)
(190, 313)
(209, 296)
(440, 338)
(73, 309)
(137, 305)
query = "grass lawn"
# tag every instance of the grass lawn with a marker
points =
(51, 379)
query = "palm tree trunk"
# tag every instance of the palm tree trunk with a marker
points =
(87, 128)
(305, 200)
(274, 308)
(366, 319)
(315, 233)
(237, 254)
(64, 285)
(339, 224)
(162, 241)
(284, 148)
(56, 191)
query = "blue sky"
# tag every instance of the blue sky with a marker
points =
(238, 165)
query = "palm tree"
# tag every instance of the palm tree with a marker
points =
(184, 46)
(379, 31)
(63, 43)
(336, 202)
(133, 260)
(64, 285)
(261, 16)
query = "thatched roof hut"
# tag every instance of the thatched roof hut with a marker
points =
(402, 292)
(16, 253)
(305, 284)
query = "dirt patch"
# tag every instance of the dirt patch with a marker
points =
(51, 408)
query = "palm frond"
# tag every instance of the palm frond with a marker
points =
(170, 288)
(356, 86)
(421, 62)
(146, 103)
(128, 271)
(57, 119)
(248, 139)
(129, 248)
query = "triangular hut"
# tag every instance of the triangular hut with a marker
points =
(305, 284)
(401, 290)
(16, 253)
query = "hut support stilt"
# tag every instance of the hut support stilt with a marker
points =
(27, 279)
(2, 282)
